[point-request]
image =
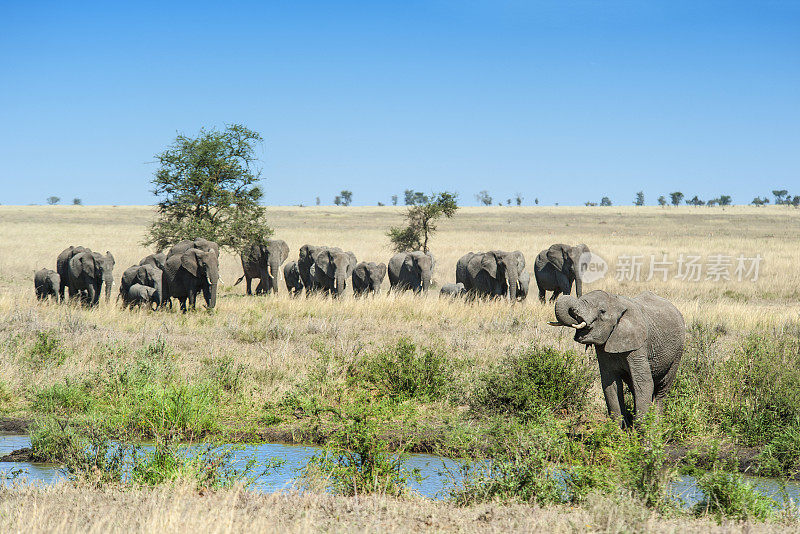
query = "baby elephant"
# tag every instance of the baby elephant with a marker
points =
(368, 277)
(46, 282)
(453, 290)
(139, 294)
(291, 275)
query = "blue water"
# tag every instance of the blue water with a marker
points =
(434, 484)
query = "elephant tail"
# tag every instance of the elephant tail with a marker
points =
(239, 280)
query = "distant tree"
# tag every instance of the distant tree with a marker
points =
(53, 200)
(415, 198)
(760, 201)
(639, 199)
(508, 202)
(394, 200)
(421, 222)
(381, 204)
(318, 202)
(779, 196)
(796, 201)
(484, 198)
(676, 197)
(724, 200)
(337, 200)
(590, 203)
(695, 201)
(347, 197)
(77, 202)
(207, 187)
(536, 201)
(662, 201)
(605, 201)
(518, 199)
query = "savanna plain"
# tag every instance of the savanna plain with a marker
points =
(486, 381)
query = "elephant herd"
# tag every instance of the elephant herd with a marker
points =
(638, 341)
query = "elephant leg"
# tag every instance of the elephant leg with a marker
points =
(641, 382)
(612, 391)
(555, 295)
(662, 388)
(91, 296)
(182, 301)
(542, 296)
(247, 281)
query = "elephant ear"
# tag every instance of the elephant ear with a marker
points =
(189, 261)
(381, 271)
(489, 264)
(323, 262)
(284, 251)
(520, 259)
(556, 255)
(474, 265)
(88, 264)
(630, 332)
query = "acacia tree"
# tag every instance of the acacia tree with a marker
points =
(207, 187)
(422, 222)
(676, 197)
(639, 199)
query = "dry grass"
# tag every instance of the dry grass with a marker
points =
(66, 509)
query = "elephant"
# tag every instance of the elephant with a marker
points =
(88, 271)
(332, 268)
(556, 268)
(263, 261)
(62, 267)
(291, 275)
(411, 270)
(305, 265)
(638, 341)
(147, 275)
(158, 260)
(524, 284)
(47, 283)
(139, 294)
(492, 274)
(190, 272)
(199, 243)
(368, 277)
(452, 290)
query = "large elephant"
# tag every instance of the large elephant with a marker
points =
(158, 260)
(62, 267)
(147, 275)
(557, 268)
(47, 283)
(411, 270)
(368, 277)
(191, 272)
(333, 267)
(638, 341)
(492, 274)
(305, 265)
(263, 261)
(87, 272)
(291, 276)
(199, 243)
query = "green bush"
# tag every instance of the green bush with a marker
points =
(67, 398)
(538, 380)
(406, 372)
(781, 456)
(643, 466)
(185, 410)
(46, 350)
(728, 495)
(53, 441)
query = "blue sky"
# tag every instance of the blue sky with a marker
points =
(564, 101)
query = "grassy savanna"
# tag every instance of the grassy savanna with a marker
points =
(273, 367)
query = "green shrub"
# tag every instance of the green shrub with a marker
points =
(581, 481)
(67, 398)
(406, 372)
(643, 464)
(53, 441)
(46, 349)
(186, 410)
(540, 379)
(728, 495)
(226, 373)
(781, 456)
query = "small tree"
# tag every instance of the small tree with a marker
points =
(484, 198)
(760, 201)
(337, 200)
(207, 187)
(605, 201)
(676, 197)
(394, 200)
(662, 201)
(590, 203)
(536, 201)
(779, 196)
(724, 200)
(639, 199)
(796, 201)
(518, 199)
(347, 197)
(77, 202)
(695, 201)
(318, 201)
(53, 200)
(421, 222)
(381, 204)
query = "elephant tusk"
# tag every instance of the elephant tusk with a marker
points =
(269, 270)
(579, 325)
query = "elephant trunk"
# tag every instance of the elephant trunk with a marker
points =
(426, 281)
(210, 294)
(578, 286)
(108, 282)
(339, 284)
(565, 306)
(512, 281)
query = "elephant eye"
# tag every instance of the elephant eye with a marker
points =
(602, 310)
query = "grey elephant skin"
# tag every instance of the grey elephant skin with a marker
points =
(139, 294)
(291, 276)
(453, 290)
(87, 272)
(639, 343)
(263, 261)
(368, 277)
(191, 272)
(62, 267)
(200, 243)
(46, 282)
(495, 273)
(411, 271)
(159, 261)
(305, 265)
(146, 275)
(333, 267)
(556, 268)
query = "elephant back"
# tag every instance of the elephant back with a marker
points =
(157, 260)
(462, 274)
